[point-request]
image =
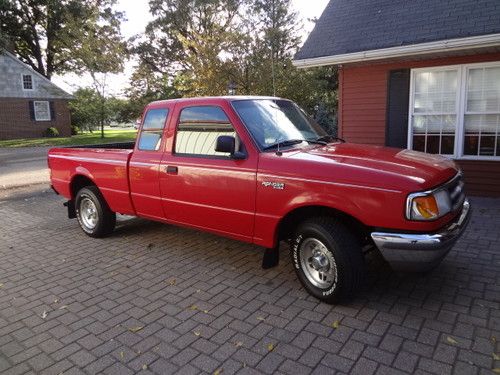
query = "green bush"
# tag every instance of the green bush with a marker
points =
(51, 132)
(75, 130)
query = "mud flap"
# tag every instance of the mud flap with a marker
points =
(271, 257)
(71, 209)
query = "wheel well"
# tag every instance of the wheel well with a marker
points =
(289, 223)
(79, 182)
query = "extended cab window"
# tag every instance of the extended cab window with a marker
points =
(152, 129)
(199, 128)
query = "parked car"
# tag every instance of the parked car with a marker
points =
(259, 170)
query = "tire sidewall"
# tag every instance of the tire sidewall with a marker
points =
(87, 193)
(310, 230)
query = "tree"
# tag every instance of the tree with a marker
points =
(48, 34)
(85, 109)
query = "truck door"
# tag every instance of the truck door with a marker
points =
(204, 188)
(145, 163)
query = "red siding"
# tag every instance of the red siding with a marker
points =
(362, 117)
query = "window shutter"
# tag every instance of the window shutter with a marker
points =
(398, 96)
(32, 110)
(52, 111)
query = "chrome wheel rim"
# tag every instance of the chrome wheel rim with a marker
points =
(318, 263)
(88, 213)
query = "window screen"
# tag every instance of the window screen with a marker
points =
(152, 129)
(199, 128)
(482, 112)
(434, 112)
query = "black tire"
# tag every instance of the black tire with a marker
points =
(343, 271)
(104, 218)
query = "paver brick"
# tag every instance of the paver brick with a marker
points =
(441, 322)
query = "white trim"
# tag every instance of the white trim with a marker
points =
(32, 82)
(462, 77)
(448, 45)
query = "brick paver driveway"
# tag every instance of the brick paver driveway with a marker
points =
(155, 298)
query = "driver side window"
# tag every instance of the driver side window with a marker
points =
(198, 130)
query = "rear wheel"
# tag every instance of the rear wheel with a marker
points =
(93, 213)
(327, 259)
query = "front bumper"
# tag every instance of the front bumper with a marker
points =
(421, 252)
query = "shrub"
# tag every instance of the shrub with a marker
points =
(75, 130)
(51, 132)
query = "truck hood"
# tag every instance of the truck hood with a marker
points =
(377, 166)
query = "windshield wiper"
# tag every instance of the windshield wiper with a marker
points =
(291, 142)
(329, 138)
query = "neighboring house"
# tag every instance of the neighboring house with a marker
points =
(29, 102)
(419, 74)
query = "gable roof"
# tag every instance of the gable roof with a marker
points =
(11, 69)
(354, 29)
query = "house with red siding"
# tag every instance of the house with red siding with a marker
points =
(420, 74)
(29, 102)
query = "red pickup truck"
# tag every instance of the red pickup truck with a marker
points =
(259, 170)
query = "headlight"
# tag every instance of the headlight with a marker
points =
(428, 206)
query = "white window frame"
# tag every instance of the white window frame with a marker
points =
(47, 103)
(32, 82)
(462, 75)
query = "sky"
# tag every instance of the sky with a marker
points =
(137, 15)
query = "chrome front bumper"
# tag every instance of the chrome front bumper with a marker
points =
(421, 252)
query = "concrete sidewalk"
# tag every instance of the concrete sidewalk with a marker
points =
(23, 166)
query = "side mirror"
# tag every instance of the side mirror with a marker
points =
(227, 144)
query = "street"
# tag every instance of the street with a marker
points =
(23, 166)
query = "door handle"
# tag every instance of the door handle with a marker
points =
(171, 169)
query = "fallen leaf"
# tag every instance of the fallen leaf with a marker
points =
(196, 333)
(270, 347)
(493, 339)
(238, 344)
(218, 371)
(335, 324)
(205, 311)
(1, 285)
(496, 357)
(44, 314)
(451, 340)
(56, 300)
(135, 329)
(144, 367)
(122, 355)
(198, 290)
(261, 318)
(193, 307)
(63, 307)
(171, 282)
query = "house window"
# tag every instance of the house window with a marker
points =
(27, 82)
(455, 111)
(41, 110)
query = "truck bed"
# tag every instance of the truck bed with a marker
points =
(105, 164)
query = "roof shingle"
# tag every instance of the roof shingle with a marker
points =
(348, 26)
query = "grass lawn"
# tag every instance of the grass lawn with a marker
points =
(110, 136)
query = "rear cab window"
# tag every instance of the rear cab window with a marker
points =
(198, 130)
(151, 133)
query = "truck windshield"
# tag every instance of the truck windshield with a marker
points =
(277, 122)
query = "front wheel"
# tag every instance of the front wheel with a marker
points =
(93, 214)
(327, 259)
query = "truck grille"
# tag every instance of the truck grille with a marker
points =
(456, 191)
